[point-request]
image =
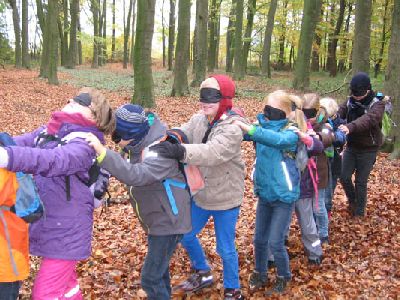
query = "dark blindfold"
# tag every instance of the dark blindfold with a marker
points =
(210, 95)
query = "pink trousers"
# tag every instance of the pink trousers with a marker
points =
(56, 280)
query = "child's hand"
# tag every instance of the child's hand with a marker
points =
(344, 128)
(245, 127)
(95, 143)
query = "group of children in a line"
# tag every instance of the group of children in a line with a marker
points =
(177, 179)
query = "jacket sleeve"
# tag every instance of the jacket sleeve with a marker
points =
(317, 147)
(342, 112)
(369, 120)
(340, 138)
(326, 135)
(188, 128)
(76, 156)
(222, 147)
(149, 171)
(281, 140)
(28, 139)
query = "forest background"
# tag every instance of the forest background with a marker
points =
(156, 53)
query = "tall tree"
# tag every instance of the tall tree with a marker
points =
(392, 82)
(311, 15)
(230, 35)
(104, 35)
(100, 43)
(17, 33)
(94, 6)
(213, 23)
(133, 32)
(73, 45)
(127, 29)
(181, 86)
(333, 41)
(282, 36)
(53, 40)
(44, 58)
(200, 55)
(113, 32)
(78, 20)
(64, 29)
(316, 47)
(251, 10)
(266, 65)
(164, 54)
(344, 41)
(362, 36)
(143, 79)
(238, 66)
(383, 40)
(171, 34)
(25, 37)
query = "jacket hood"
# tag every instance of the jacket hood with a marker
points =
(274, 124)
(226, 85)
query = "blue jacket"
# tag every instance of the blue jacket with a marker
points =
(276, 176)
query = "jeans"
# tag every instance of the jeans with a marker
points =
(225, 229)
(361, 163)
(329, 189)
(155, 272)
(321, 214)
(272, 221)
(9, 290)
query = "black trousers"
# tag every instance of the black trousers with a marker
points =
(360, 163)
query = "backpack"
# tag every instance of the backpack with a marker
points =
(28, 205)
(98, 178)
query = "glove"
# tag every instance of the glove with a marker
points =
(169, 150)
(3, 158)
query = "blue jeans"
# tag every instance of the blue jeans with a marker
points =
(155, 272)
(225, 229)
(9, 290)
(321, 214)
(272, 220)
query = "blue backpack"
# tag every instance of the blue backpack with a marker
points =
(28, 204)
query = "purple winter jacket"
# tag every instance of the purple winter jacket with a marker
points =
(65, 230)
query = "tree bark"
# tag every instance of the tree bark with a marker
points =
(64, 33)
(143, 78)
(80, 58)
(213, 37)
(333, 41)
(73, 45)
(312, 9)
(282, 38)
(230, 37)
(171, 34)
(200, 55)
(344, 43)
(383, 41)
(164, 54)
(113, 33)
(127, 30)
(17, 33)
(238, 57)
(362, 37)
(315, 56)
(181, 86)
(104, 35)
(25, 36)
(44, 58)
(100, 44)
(251, 10)
(95, 11)
(392, 82)
(266, 65)
(133, 32)
(53, 36)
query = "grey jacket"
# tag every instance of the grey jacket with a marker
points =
(148, 196)
(219, 160)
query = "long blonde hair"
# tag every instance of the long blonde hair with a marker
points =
(101, 109)
(289, 103)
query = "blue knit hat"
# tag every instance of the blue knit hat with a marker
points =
(132, 123)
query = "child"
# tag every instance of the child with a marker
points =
(215, 148)
(164, 216)
(276, 183)
(318, 118)
(63, 236)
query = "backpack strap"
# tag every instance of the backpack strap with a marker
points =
(167, 185)
(7, 235)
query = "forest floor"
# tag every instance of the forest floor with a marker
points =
(362, 260)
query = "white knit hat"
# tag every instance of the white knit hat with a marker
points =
(330, 105)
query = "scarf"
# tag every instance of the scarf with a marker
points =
(59, 118)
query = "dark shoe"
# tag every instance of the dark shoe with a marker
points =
(324, 240)
(195, 282)
(233, 294)
(271, 264)
(279, 287)
(257, 280)
(315, 261)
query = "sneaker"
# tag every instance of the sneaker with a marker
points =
(279, 287)
(257, 280)
(197, 281)
(324, 240)
(233, 294)
(315, 261)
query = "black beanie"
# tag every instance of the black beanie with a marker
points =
(360, 82)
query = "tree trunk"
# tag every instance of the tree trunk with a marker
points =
(95, 11)
(282, 38)
(164, 58)
(44, 58)
(230, 35)
(17, 33)
(362, 37)
(333, 41)
(180, 86)
(383, 41)
(218, 34)
(113, 33)
(104, 35)
(64, 33)
(212, 27)
(251, 10)
(25, 36)
(392, 82)
(133, 32)
(265, 65)
(53, 36)
(238, 58)
(200, 55)
(80, 58)
(311, 16)
(100, 44)
(73, 46)
(315, 56)
(171, 34)
(127, 30)
(143, 79)
(343, 47)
